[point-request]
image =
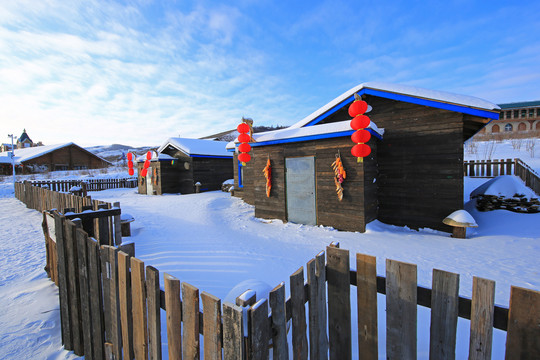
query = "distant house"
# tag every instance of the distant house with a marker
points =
(181, 163)
(413, 176)
(68, 156)
(517, 119)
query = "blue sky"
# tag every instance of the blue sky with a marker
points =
(137, 72)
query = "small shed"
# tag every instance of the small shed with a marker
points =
(413, 176)
(182, 162)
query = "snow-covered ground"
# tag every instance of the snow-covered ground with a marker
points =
(213, 241)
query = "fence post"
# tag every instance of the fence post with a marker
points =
(65, 315)
(138, 288)
(279, 322)
(401, 318)
(153, 293)
(523, 319)
(298, 313)
(190, 317)
(316, 275)
(82, 239)
(109, 266)
(96, 298)
(259, 330)
(212, 326)
(339, 304)
(117, 226)
(174, 316)
(233, 333)
(483, 297)
(366, 287)
(124, 296)
(444, 315)
(70, 246)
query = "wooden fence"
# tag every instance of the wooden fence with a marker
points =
(110, 306)
(87, 184)
(494, 168)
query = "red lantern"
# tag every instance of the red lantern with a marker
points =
(147, 164)
(144, 172)
(131, 171)
(130, 164)
(243, 128)
(149, 155)
(357, 107)
(361, 136)
(243, 138)
(360, 150)
(245, 147)
(244, 157)
(360, 122)
(129, 156)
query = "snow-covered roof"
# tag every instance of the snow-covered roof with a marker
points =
(25, 154)
(398, 89)
(336, 128)
(197, 147)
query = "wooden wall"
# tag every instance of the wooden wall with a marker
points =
(212, 172)
(71, 156)
(359, 189)
(420, 162)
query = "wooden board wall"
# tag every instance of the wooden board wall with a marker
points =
(348, 214)
(71, 156)
(420, 163)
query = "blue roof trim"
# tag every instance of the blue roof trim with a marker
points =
(312, 137)
(409, 99)
(211, 156)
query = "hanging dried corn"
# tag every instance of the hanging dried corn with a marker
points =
(339, 175)
(268, 175)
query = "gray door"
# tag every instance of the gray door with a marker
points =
(300, 185)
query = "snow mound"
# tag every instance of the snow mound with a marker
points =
(504, 185)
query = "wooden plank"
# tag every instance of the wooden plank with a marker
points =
(117, 226)
(233, 332)
(84, 288)
(109, 263)
(259, 330)
(339, 303)
(366, 288)
(280, 349)
(96, 302)
(212, 326)
(138, 295)
(124, 296)
(154, 312)
(190, 318)
(523, 336)
(483, 298)
(174, 316)
(70, 245)
(65, 314)
(318, 342)
(444, 315)
(401, 312)
(298, 311)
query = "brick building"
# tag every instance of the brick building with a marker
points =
(516, 119)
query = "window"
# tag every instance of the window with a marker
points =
(507, 114)
(516, 114)
(522, 127)
(531, 113)
(508, 127)
(523, 113)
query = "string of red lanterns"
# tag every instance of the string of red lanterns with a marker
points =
(359, 123)
(244, 147)
(146, 164)
(131, 171)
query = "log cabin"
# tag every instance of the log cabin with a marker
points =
(181, 163)
(413, 176)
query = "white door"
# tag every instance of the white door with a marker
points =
(300, 188)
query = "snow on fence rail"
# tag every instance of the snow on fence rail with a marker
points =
(494, 168)
(87, 184)
(110, 305)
